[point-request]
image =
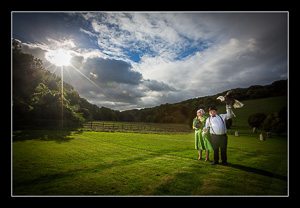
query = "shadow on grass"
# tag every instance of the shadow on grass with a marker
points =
(58, 136)
(184, 182)
(193, 180)
(259, 171)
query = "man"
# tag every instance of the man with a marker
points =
(217, 125)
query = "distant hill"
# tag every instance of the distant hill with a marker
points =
(185, 111)
(262, 105)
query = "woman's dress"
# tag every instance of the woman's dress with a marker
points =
(201, 143)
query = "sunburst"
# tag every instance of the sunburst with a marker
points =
(59, 57)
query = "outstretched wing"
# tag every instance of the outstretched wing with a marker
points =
(229, 92)
(237, 104)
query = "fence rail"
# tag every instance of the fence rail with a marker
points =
(131, 127)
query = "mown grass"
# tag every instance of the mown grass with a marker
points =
(103, 163)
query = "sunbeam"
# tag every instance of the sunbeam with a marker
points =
(90, 80)
(62, 96)
(72, 80)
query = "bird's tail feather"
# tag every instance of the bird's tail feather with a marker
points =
(238, 104)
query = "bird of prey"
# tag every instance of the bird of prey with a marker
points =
(229, 100)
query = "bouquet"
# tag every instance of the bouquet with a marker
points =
(197, 123)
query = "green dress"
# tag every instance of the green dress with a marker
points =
(202, 143)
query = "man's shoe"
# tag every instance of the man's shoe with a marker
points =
(215, 163)
(226, 164)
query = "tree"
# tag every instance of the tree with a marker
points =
(37, 95)
(276, 122)
(256, 120)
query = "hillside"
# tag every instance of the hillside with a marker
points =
(268, 99)
(262, 105)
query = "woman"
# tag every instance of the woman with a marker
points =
(201, 142)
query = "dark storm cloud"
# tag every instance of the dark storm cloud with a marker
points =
(118, 85)
(109, 70)
(154, 85)
(107, 81)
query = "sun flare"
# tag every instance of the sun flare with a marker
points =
(59, 57)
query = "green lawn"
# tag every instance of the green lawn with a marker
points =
(104, 163)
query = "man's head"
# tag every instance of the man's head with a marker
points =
(212, 111)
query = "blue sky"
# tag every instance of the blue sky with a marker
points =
(144, 59)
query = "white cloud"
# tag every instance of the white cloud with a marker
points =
(91, 53)
(150, 34)
(64, 43)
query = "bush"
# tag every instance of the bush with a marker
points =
(276, 122)
(256, 120)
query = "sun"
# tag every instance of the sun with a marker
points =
(59, 57)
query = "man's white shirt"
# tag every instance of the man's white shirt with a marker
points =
(217, 123)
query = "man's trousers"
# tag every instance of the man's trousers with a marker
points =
(219, 141)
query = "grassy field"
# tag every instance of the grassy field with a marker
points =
(107, 163)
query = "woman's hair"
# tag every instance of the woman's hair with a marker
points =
(200, 110)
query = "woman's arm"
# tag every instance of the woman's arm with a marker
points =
(193, 126)
(206, 127)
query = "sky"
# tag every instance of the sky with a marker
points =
(134, 60)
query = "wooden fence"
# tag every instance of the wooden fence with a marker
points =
(139, 127)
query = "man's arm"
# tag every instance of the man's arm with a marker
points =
(205, 128)
(229, 113)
